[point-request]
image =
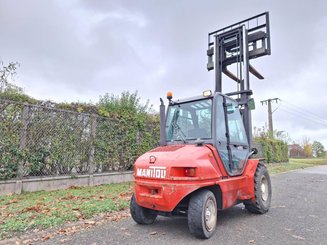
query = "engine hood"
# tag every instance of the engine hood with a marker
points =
(168, 162)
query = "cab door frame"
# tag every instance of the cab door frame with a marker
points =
(233, 153)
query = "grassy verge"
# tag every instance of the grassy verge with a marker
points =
(40, 210)
(293, 164)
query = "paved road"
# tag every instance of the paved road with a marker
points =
(298, 216)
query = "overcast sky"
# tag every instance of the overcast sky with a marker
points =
(78, 50)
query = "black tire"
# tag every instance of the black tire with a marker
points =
(262, 192)
(202, 214)
(141, 215)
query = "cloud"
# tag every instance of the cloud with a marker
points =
(79, 50)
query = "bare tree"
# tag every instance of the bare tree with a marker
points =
(7, 73)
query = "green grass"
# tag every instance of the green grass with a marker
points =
(293, 164)
(44, 209)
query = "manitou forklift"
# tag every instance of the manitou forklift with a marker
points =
(205, 162)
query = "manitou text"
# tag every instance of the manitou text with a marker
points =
(152, 172)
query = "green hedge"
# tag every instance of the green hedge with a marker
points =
(273, 150)
(59, 141)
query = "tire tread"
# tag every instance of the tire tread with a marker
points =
(195, 214)
(257, 207)
(141, 215)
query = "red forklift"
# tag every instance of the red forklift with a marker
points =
(205, 162)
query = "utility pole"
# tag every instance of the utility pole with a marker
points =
(270, 112)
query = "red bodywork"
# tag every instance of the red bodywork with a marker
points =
(160, 182)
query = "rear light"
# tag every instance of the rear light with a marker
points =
(190, 172)
(177, 172)
(183, 172)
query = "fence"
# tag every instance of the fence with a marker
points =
(43, 141)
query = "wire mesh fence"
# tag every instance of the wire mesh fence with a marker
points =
(44, 141)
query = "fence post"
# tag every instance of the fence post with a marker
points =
(92, 150)
(22, 147)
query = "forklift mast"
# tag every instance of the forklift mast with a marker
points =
(233, 47)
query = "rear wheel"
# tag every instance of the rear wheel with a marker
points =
(202, 214)
(262, 191)
(141, 215)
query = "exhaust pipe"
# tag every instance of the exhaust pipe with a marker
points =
(162, 123)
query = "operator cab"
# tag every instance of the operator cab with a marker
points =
(213, 119)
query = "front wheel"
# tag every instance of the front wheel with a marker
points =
(141, 215)
(262, 192)
(202, 214)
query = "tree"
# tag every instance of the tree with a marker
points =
(307, 147)
(130, 129)
(7, 72)
(318, 149)
(124, 105)
(8, 90)
(282, 135)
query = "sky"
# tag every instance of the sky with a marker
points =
(78, 50)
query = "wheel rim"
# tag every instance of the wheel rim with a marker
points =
(210, 214)
(264, 189)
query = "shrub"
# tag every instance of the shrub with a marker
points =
(273, 150)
